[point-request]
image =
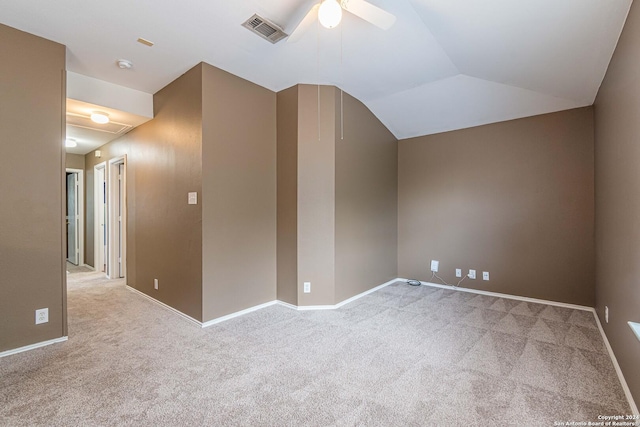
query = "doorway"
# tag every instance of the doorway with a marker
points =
(100, 215)
(117, 218)
(75, 216)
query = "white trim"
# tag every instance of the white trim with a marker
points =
(237, 314)
(96, 215)
(112, 218)
(197, 322)
(168, 307)
(80, 206)
(286, 304)
(32, 346)
(507, 296)
(338, 305)
(623, 382)
(314, 307)
(360, 295)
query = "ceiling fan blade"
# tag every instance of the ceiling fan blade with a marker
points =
(370, 13)
(309, 19)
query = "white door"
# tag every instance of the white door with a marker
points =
(101, 224)
(73, 242)
(120, 236)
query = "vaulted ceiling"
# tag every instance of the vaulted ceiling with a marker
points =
(444, 65)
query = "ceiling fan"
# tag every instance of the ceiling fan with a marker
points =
(329, 14)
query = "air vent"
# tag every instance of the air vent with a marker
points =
(265, 28)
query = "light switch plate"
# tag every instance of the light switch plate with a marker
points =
(193, 198)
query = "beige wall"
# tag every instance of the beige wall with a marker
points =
(74, 161)
(287, 195)
(32, 244)
(366, 200)
(238, 193)
(617, 128)
(316, 195)
(513, 198)
(337, 198)
(163, 165)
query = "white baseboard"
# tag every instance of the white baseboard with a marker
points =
(623, 382)
(168, 307)
(507, 296)
(197, 322)
(237, 314)
(32, 346)
(338, 305)
(89, 266)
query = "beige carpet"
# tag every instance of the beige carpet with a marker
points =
(402, 356)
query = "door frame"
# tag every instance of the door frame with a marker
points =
(79, 211)
(113, 245)
(96, 216)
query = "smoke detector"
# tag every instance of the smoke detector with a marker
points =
(124, 64)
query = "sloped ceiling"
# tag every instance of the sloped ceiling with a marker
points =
(444, 65)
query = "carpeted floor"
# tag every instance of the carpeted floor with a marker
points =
(402, 356)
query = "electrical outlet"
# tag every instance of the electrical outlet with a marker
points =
(485, 275)
(606, 314)
(472, 274)
(434, 265)
(155, 284)
(458, 272)
(307, 287)
(42, 316)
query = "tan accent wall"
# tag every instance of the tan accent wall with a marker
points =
(74, 161)
(366, 200)
(163, 165)
(337, 198)
(617, 109)
(238, 193)
(287, 195)
(316, 194)
(32, 241)
(513, 198)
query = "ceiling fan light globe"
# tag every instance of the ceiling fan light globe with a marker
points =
(330, 13)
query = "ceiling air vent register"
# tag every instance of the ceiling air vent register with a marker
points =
(264, 28)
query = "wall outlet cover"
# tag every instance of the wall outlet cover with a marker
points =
(307, 287)
(458, 272)
(472, 274)
(485, 275)
(42, 316)
(434, 265)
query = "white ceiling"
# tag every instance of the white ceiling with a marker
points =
(89, 135)
(444, 65)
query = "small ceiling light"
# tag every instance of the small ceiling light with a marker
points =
(100, 117)
(124, 64)
(330, 13)
(70, 143)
